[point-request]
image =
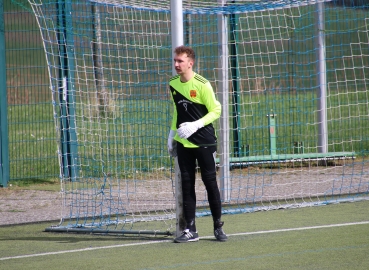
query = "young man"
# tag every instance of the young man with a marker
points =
(193, 136)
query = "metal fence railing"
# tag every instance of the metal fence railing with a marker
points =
(31, 131)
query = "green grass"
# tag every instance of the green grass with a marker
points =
(32, 143)
(35, 184)
(279, 239)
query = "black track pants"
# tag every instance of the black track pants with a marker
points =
(205, 157)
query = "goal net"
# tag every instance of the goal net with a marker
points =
(292, 77)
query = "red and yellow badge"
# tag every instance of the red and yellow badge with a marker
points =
(193, 93)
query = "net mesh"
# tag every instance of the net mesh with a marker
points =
(110, 63)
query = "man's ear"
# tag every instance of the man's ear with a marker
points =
(192, 62)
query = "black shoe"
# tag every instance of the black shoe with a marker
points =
(218, 231)
(187, 236)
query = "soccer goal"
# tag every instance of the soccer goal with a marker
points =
(292, 77)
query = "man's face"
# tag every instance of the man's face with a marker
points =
(182, 63)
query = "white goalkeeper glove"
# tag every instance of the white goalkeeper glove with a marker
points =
(172, 144)
(186, 129)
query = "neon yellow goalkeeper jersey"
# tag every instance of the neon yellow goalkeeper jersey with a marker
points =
(194, 100)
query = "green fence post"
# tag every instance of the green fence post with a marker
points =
(272, 134)
(236, 98)
(4, 141)
(68, 134)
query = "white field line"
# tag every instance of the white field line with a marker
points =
(297, 229)
(167, 241)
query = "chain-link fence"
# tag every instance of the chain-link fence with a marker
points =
(32, 145)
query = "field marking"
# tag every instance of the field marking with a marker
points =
(167, 241)
(296, 229)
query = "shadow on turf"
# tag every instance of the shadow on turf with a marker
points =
(68, 238)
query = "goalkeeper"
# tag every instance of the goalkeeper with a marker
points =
(192, 137)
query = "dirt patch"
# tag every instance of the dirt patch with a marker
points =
(27, 206)
(270, 187)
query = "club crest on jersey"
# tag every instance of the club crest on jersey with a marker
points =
(193, 93)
